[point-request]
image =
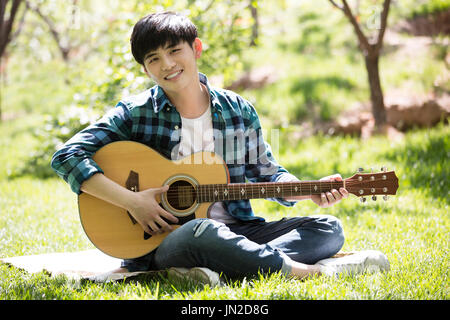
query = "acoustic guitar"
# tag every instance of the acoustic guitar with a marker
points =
(195, 183)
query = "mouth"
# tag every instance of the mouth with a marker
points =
(173, 75)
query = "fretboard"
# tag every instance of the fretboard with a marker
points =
(240, 191)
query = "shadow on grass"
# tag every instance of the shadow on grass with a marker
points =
(314, 90)
(425, 165)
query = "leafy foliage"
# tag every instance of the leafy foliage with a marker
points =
(110, 72)
(431, 7)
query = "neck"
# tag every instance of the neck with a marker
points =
(263, 190)
(192, 101)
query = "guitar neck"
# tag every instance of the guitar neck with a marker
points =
(264, 190)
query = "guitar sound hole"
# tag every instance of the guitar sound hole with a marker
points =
(181, 195)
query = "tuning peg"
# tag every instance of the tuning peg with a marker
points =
(360, 169)
(383, 169)
(385, 198)
(362, 199)
(374, 198)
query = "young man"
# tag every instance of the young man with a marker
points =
(183, 114)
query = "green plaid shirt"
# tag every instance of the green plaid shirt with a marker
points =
(151, 119)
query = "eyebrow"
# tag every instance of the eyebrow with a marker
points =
(152, 53)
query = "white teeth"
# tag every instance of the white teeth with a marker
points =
(173, 75)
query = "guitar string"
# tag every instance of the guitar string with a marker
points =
(238, 186)
(255, 187)
(235, 189)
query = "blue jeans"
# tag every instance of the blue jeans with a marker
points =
(245, 248)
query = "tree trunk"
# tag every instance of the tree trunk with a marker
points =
(376, 93)
(1, 88)
(255, 27)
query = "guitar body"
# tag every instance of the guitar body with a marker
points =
(111, 229)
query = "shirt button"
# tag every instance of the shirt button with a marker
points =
(176, 127)
(168, 109)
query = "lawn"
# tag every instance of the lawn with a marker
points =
(412, 228)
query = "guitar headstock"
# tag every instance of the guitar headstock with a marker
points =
(372, 184)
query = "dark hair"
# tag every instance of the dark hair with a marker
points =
(159, 29)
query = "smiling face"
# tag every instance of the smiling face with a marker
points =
(174, 67)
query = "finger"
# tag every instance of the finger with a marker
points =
(153, 226)
(334, 177)
(330, 197)
(336, 194)
(165, 227)
(323, 199)
(168, 215)
(147, 229)
(344, 192)
(162, 189)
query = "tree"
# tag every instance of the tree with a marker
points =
(370, 49)
(253, 5)
(6, 22)
(6, 27)
(60, 35)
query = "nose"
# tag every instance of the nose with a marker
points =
(167, 63)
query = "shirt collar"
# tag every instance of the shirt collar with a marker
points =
(159, 98)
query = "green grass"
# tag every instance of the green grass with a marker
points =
(412, 228)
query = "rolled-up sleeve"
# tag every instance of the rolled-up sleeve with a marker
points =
(73, 161)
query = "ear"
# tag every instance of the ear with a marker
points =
(146, 72)
(198, 47)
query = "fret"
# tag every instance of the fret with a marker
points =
(242, 190)
(225, 192)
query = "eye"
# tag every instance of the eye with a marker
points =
(175, 50)
(152, 60)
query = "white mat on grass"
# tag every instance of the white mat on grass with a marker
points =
(89, 264)
(93, 265)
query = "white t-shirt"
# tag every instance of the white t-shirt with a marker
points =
(197, 135)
